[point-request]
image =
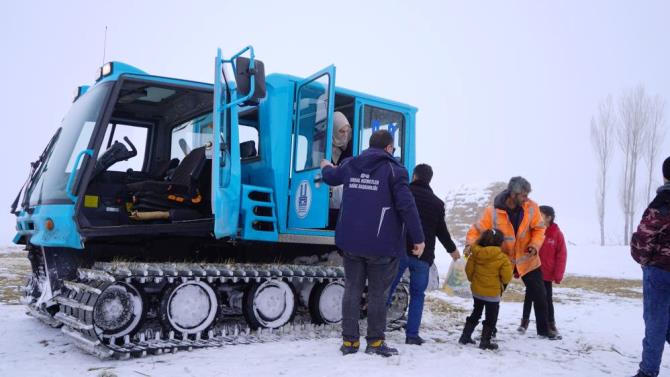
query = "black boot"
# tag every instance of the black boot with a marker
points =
(415, 340)
(485, 343)
(523, 326)
(552, 327)
(466, 337)
(641, 374)
(551, 335)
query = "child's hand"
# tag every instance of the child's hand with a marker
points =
(466, 251)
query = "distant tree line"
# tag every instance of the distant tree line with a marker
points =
(636, 125)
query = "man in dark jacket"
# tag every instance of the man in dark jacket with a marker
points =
(431, 212)
(377, 207)
(650, 247)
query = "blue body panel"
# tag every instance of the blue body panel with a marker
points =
(64, 234)
(271, 173)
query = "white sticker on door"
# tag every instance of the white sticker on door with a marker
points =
(303, 199)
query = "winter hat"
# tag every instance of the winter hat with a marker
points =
(666, 168)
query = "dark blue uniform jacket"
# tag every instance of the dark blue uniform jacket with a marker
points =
(377, 205)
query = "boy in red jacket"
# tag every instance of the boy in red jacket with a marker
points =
(553, 256)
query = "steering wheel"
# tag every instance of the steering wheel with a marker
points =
(133, 151)
(117, 152)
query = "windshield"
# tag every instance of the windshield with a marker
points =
(78, 127)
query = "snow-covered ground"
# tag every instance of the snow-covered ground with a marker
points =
(601, 331)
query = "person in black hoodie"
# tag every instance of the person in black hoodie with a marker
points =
(431, 212)
(377, 207)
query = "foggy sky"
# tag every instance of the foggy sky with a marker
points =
(503, 88)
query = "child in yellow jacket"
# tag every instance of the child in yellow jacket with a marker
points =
(489, 271)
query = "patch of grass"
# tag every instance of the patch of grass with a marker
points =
(515, 291)
(437, 306)
(617, 287)
(14, 269)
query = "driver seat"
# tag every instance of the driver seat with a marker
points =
(181, 191)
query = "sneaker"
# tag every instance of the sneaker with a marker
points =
(379, 347)
(415, 340)
(349, 347)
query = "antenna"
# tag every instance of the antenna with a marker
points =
(104, 47)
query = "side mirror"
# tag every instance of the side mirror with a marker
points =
(243, 77)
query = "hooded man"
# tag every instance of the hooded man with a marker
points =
(377, 208)
(650, 247)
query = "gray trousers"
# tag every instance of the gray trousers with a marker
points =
(379, 273)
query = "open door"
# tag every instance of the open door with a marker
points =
(226, 170)
(312, 142)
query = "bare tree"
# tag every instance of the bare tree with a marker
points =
(602, 136)
(634, 114)
(655, 135)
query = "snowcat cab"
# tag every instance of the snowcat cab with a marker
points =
(166, 213)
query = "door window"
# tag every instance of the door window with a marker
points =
(312, 124)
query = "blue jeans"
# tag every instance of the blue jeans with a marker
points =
(656, 292)
(418, 282)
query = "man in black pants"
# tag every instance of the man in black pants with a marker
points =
(377, 206)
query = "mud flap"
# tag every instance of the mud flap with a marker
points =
(59, 264)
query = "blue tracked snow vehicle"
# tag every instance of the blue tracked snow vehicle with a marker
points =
(164, 211)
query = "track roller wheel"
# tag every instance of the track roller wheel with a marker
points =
(118, 310)
(325, 302)
(269, 304)
(189, 307)
(399, 303)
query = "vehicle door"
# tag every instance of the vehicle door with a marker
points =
(312, 142)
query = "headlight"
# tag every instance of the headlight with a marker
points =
(105, 70)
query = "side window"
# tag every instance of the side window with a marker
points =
(137, 135)
(190, 135)
(312, 125)
(374, 119)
